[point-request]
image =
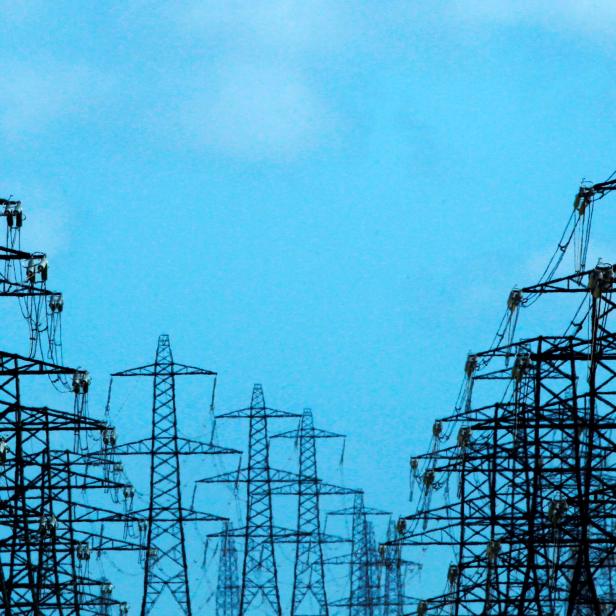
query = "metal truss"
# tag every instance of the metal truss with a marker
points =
(165, 561)
(530, 516)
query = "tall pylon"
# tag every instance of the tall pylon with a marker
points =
(165, 562)
(393, 597)
(228, 586)
(533, 453)
(363, 561)
(259, 592)
(309, 589)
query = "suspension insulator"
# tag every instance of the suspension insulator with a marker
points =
(521, 366)
(4, 450)
(109, 436)
(556, 510)
(514, 300)
(493, 549)
(428, 480)
(470, 366)
(600, 280)
(83, 551)
(47, 525)
(464, 437)
(81, 382)
(56, 303)
(582, 199)
(452, 575)
(13, 213)
(153, 553)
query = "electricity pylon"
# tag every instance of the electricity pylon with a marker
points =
(363, 562)
(228, 586)
(259, 589)
(49, 515)
(531, 522)
(309, 586)
(395, 569)
(165, 563)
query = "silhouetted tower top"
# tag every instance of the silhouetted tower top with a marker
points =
(309, 588)
(259, 574)
(363, 561)
(228, 586)
(165, 566)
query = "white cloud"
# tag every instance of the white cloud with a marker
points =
(281, 26)
(258, 111)
(585, 17)
(35, 96)
(259, 93)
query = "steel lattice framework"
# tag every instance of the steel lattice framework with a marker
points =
(50, 515)
(165, 562)
(259, 589)
(364, 561)
(532, 520)
(309, 588)
(395, 570)
(228, 586)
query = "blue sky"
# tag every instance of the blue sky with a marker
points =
(330, 198)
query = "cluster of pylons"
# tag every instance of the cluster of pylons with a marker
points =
(517, 490)
(68, 506)
(516, 493)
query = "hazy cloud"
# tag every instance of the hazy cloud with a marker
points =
(587, 17)
(258, 111)
(260, 97)
(34, 96)
(278, 26)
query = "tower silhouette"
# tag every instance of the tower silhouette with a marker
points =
(165, 562)
(363, 561)
(309, 572)
(228, 586)
(259, 589)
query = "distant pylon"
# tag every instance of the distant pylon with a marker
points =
(363, 561)
(165, 565)
(374, 569)
(395, 569)
(228, 587)
(259, 593)
(309, 573)
(361, 601)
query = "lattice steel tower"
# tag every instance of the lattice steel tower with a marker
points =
(364, 563)
(228, 586)
(51, 511)
(532, 455)
(165, 564)
(259, 592)
(309, 572)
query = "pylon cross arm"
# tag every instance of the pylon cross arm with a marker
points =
(172, 369)
(257, 413)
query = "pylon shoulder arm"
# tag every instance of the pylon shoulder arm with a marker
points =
(174, 369)
(257, 413)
